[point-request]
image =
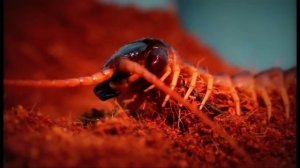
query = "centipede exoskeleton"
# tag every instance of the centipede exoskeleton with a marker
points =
(148, 65)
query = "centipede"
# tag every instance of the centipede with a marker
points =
(150, 70)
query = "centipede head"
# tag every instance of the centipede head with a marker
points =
(148, 52)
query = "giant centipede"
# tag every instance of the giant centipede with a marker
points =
(150, 66)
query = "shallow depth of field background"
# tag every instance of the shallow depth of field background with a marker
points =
(255, 35)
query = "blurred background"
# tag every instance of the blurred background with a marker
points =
(256, 34)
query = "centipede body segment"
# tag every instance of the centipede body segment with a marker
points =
(150, 64)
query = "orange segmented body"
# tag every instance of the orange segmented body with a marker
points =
(142, 70)
(198, 81)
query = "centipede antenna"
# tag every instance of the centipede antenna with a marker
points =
(129, 66)
(96, 78)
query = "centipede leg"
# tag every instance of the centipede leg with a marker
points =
(192, 84)
(273, 79)
(253, 94)
(119, 107)
(276, 75)
(133, 78)
(262, 83)
(226, 82)
(130, 100)
(210, 81)
(236, 99)
(133, 67)
(245, 82)
(264, 95)
(163, 78)
(173, 84)
(283, 93)
(290, 77)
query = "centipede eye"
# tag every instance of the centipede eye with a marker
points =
(156, 60)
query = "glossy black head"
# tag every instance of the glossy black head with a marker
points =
(152, 53)
(149, 52)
